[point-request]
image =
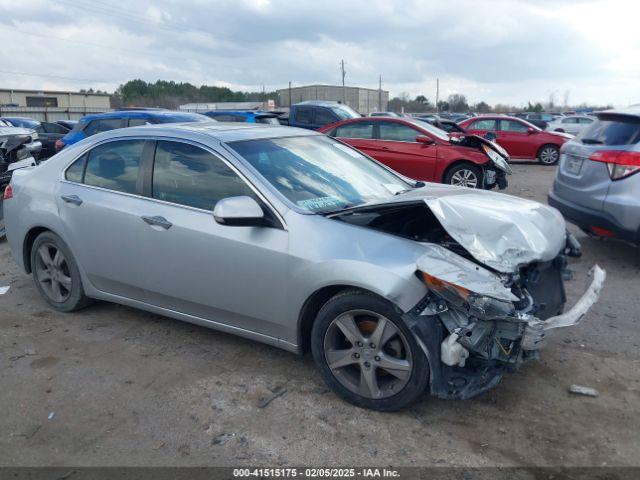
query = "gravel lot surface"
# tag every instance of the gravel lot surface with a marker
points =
(111, 385)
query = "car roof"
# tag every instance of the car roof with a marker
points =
(633, 110)
(319, 103)
(220, 131)
(240, 112)
(135, 113)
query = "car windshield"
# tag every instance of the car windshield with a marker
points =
(183, 117)
(432, 129)
(318, 173)
(344, 112)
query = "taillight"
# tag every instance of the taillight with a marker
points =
(59, 145)
(620, 164)
(8, 193)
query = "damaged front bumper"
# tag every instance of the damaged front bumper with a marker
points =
(471, 344)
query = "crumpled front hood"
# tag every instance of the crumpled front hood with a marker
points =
(501, 231)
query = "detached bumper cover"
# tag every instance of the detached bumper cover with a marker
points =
(536, 330)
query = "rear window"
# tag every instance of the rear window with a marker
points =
(612, 130)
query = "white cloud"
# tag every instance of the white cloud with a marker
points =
(501, 51)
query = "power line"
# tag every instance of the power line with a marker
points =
(90, 44)
(52, 76)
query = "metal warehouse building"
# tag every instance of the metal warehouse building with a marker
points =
(51, 105)
(363, 100)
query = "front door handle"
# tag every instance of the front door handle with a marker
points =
(158, 221)
(385, 148)
(73, 199)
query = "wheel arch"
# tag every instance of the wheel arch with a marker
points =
(459, 162)
(312, 306)
(28, 242)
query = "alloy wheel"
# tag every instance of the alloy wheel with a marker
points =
(549, 155)
(464, 178)
(368, 354)
(52, 272)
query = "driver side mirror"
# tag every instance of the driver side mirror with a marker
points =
(424, 139)
(240, 211)
(531, 130)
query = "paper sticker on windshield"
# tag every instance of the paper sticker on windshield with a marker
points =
(347, 150)
(320, 203)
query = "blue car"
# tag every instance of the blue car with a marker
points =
(244, 116)
(102, 122)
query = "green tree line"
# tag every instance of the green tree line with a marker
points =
(170, 94)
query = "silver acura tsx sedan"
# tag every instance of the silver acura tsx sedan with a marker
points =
(297, 240)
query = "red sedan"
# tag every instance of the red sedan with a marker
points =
(521, 139)
(421, 151)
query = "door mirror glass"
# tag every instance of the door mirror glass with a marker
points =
(424, 139)
(531, 130)
(240, 211)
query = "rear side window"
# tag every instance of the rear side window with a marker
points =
(397, 132)
(54, 128)
(304, 114)
(115, 165)
(612, 130)
(188, 175)
(137, 122)
(75, 172)
(355, 130)
(486, 124)
(268, 120)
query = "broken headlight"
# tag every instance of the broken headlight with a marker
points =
(475, 304)
(497, 159)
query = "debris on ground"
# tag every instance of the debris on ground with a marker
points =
(222, 438)
(51, 415)
(581, 390)
(4, 290)
(159, 445)
(278, 392)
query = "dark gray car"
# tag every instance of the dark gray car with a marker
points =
(596, 186)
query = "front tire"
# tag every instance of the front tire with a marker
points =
(548, 154)
(465, 175)
(366, 354)
(56, 274)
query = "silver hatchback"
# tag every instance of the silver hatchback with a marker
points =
(295, 239)
(597, 185)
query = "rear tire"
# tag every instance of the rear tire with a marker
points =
(56, 274)
(386, 377)
(548, 154)
(465, 175)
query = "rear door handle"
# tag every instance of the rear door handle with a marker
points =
(74, 199)
(158, 221)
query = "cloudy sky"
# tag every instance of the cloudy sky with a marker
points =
(501, 51)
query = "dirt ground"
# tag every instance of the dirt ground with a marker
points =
(111, 385)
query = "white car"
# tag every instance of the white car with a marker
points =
(572, 124)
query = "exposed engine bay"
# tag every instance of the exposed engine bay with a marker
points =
(494, 290)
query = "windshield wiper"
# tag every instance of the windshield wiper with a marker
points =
(592, 141)
(418, 184)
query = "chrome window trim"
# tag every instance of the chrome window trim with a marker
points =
(216, 154)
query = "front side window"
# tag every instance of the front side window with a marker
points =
(513, 126)
(486, 124)
(188, 175)
(115, 165)
(54, 128)
(397, 132)
(317, 173)
(570, 120)
(355, 130)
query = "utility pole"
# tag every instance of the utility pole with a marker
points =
(344, 92)
(437, 95)
(380, 95)
(289, 93)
